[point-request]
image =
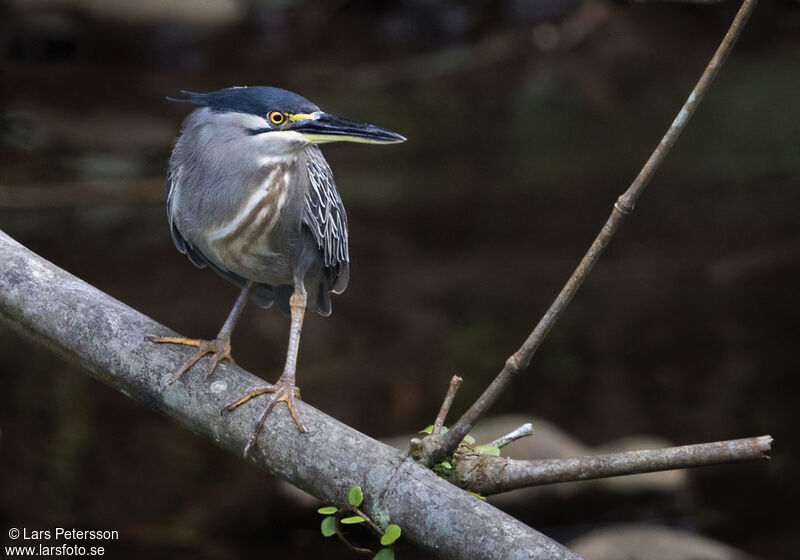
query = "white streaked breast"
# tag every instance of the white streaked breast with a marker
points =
(256, 199)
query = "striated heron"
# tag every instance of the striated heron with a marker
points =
(250, 196)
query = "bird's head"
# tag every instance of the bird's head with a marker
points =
(279, 115)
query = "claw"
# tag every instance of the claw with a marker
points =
(219, 348)
(283, 392)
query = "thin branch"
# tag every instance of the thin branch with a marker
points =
(367, 519)
(455, 383)
(523, 431)
(436, 448)
(87, 327)
(488, 475)
(351, 510)
(350, 545)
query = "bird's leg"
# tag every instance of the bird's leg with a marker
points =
(219, 348)
(284, 389)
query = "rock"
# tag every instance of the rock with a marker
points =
(651, 542)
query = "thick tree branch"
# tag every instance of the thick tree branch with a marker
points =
(488, 475)
(436, 447)
(86, 326)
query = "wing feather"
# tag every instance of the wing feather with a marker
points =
(326, 218)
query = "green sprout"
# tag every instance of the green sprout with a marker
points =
(335, 517)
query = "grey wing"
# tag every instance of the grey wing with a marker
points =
(173, 178)
(325, 217)
(263, 294)
(197, 258)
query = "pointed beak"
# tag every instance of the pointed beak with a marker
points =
(324, 127)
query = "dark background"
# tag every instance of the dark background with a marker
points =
(525, 121)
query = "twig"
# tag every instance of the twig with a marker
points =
(521, 432)
(350, 545)
(367, 519)
(488, 475)
(436, 448)
(353, 510)
(455, 383)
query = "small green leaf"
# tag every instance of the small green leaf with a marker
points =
(384, 554)
(327, 510)
(352, 520)
(445, 465)
(356, 496)
(328, 526)
(429, 430)
(391, 534)
(468, 439)
(488, 450)
(476, 495)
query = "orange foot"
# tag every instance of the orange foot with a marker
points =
(219, 348)
(283, 391)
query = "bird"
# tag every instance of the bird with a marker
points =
(251, 197)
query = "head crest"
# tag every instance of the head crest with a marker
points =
(257, 100)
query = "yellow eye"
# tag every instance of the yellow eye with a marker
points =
(276, 117)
